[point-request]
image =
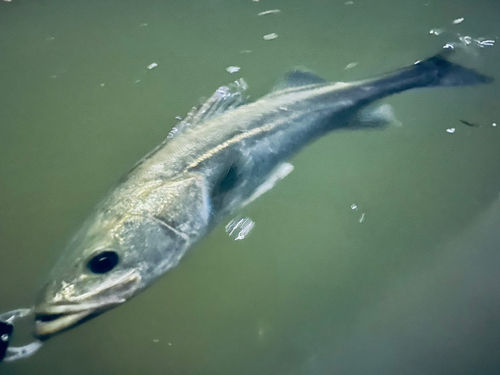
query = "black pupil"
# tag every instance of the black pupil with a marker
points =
(103, 262)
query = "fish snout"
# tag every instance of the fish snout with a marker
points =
(55, 311)
(63, 305)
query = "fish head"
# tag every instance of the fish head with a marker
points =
(104, 265)
(129, 241)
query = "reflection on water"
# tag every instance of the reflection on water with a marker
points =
(88, 88)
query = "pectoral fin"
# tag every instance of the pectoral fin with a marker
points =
(279, 173)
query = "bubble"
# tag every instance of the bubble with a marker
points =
(239, 228)
(271, 11)
(270, 36)
(436, 32)
(362, 218)
(233, 69)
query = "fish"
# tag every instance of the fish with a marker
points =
(212, 163)
(471, 124)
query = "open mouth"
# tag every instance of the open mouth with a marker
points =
(47, 324)
(53, 315)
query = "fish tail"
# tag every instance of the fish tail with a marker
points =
(439, 71)
(436, 71)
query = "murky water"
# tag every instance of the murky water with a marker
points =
(378, 254)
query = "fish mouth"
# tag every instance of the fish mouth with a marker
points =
(53, 317)
(61, 318)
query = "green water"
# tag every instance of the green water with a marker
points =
(412, 289)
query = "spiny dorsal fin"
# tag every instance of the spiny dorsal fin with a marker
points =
(224, 99)
(297, 78)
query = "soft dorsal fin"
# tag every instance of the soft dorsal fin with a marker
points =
(224, 99)
(297, 78)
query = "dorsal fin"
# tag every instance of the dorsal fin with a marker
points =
(297, 78)
(224, 99)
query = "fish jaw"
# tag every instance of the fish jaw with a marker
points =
(50, 320)
(55, 314)
(48, 324)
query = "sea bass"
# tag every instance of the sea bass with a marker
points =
(213, 163)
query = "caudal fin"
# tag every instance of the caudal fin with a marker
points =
(442, 72)
(436, 71)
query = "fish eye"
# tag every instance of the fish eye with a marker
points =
(103, 262)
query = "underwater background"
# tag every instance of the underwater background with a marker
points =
(378, 254)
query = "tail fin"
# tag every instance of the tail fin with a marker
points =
(436, 71)
(445, 73)
(433, 72)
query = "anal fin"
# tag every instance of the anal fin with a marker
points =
(376, 117)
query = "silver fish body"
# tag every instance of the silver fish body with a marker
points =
(215, 164)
